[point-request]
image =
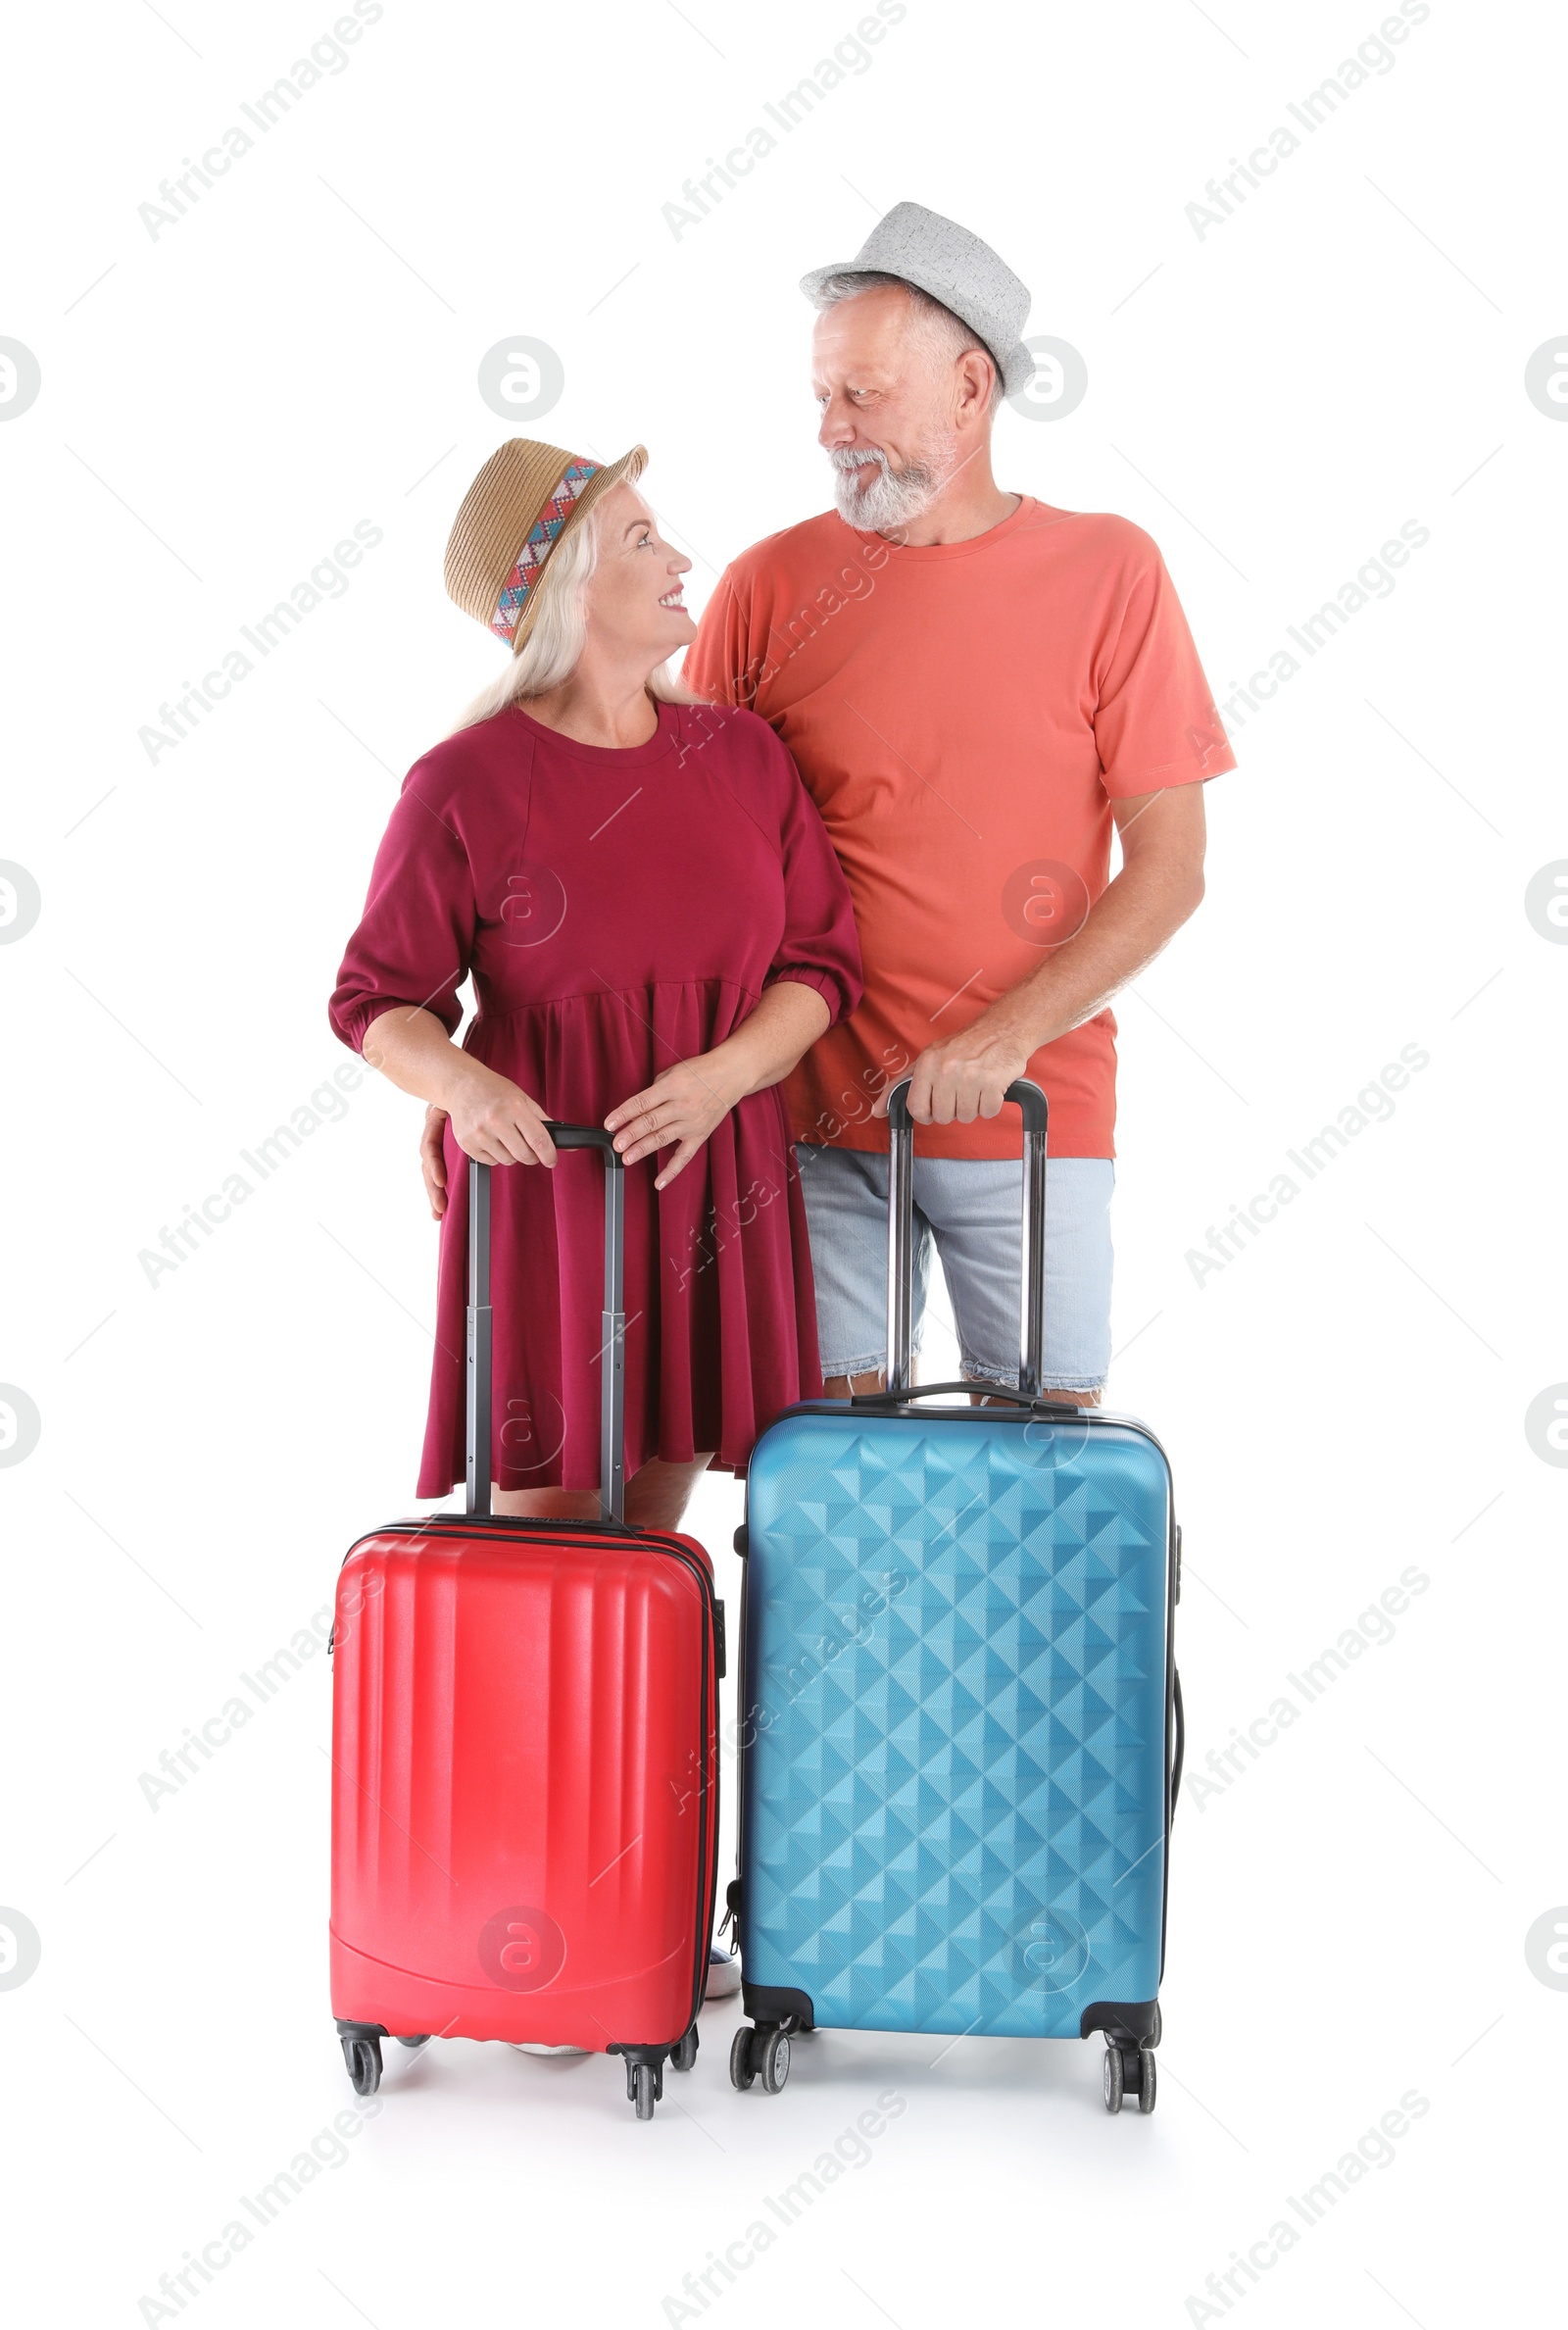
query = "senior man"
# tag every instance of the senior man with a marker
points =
(975, 687)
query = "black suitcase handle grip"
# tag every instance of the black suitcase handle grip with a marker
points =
(584, 1136)
(1028, 1096)
(888, 1401)
(613, 1346)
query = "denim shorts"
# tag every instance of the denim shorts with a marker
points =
(970, 1209)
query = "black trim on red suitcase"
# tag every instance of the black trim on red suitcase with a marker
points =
(363, 2040)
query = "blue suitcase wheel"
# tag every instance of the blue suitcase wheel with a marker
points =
(1129, 2071)
(760, 2053)
(773, 2060)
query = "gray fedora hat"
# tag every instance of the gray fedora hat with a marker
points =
(951, 265)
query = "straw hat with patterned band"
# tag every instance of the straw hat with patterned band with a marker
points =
(524, 499)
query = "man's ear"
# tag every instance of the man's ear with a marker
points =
(976, 372)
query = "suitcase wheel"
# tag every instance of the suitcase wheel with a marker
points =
(363, 2059)
(683, 2054)
(773, 2053)
(422, 2040)
(1129, 2071)
(645, 2082)
(760, 2053)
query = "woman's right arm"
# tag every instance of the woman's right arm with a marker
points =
(417, 938)
(492, 1119)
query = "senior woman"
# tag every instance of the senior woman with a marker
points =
(656, 931)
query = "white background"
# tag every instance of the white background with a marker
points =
(219, 403)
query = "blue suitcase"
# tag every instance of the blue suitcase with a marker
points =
(960, 1732)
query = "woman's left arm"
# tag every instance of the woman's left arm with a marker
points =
(814, 979)
(686, 1102)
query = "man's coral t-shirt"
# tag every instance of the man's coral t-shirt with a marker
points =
(962, 715)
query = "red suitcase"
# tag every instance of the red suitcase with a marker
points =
(525, 1754)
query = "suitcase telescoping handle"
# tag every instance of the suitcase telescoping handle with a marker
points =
(612, 1338)
(1030, 1101)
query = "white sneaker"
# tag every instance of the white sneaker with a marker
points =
(537, 2047)
(723, 1974)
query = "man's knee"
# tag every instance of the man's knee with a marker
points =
(1091, 1399)
(842, 1387)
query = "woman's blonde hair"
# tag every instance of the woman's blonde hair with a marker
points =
(554, 646)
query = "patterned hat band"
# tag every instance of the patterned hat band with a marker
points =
(531, 493)
(541, 541)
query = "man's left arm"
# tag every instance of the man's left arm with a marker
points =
(1159, 885)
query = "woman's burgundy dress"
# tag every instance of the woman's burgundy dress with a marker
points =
(618, 911)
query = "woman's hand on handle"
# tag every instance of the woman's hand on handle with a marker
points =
(492, 1119)
(495, 1121)
(681, 1107)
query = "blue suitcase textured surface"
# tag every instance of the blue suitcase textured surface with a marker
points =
(953, 1717)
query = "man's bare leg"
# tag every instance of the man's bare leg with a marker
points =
(840, 1387)
(1068, 1399)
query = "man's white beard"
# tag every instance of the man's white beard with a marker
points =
(891, 499)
